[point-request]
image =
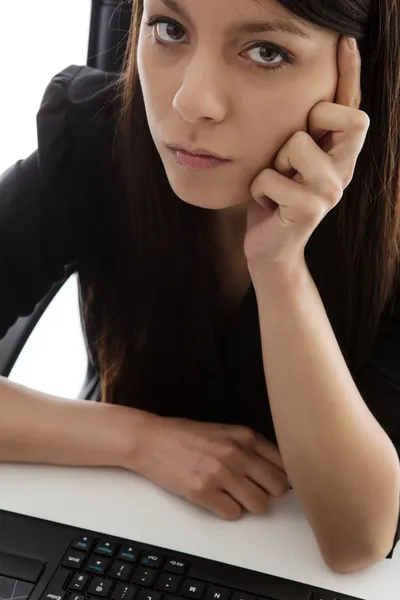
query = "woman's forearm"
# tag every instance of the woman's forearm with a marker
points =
(40, 428)
(341, 463)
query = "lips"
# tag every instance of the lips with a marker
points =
(196, 159)
(196, 151)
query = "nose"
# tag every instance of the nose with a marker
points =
(202, 94)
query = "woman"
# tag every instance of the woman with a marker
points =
(231, 205)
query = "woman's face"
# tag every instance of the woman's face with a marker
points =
(209, 83)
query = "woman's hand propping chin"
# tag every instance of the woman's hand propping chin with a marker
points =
(288, 207)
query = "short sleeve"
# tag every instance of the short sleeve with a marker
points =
(379, 381)
(41, 197)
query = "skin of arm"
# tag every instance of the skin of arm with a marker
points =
(341, 463)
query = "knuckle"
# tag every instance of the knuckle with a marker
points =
(199, 488)
(227, 450)
(334, 193)
(247, 435)
(300, 138)
(216, 470)
(362, 120)
(299, 142)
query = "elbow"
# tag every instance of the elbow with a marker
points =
(359, 550)
(345, 563)
(345, 559)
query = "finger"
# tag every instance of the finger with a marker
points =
(349, 126)
(308, 159)
(348, 91)
(308, 204)
(253, 441)
(222, 504)
(269, 452)
(274, 186)
(249, 495)
(267, 476)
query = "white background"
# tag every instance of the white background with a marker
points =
(39, 38)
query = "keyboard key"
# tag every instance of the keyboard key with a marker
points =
(176, 566)
(97, 565)
(54, 593)
(78, 582)
(121, 571)
(128, 553)
(169, 583)
(124, 592)
(145, 576)
(149, 595)
(193, 589)
(151, 560)
(76, 597)
(84, 543)
(73, 559)
(100, 587)
(217, 593)
(105, 548)
(241, 596)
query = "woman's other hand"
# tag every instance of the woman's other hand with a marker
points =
(224, 468)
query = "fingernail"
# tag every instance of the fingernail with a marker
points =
(352, 44)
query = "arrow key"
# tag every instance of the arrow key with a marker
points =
(97, 565)
(84, 543)
(128, 553)
(105, 548)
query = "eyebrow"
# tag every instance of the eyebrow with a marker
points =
(277, 24)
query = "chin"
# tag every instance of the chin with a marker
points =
(206, 199)
(206, 195)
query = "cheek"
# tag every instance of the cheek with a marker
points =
(147, 70)
(270, 119)
(268, 122)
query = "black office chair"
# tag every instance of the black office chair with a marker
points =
(109, 27)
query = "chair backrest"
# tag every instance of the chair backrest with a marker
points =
(109, 28)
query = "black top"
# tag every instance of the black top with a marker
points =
(50, 207)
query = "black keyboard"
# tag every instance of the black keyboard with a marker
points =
(42, 560)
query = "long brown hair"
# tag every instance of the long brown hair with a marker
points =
(153, 304)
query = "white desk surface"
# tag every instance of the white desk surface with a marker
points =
(117, 502)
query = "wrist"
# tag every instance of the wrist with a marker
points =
(276, 275)
(129, 430)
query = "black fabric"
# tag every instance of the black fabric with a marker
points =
(53, 206)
